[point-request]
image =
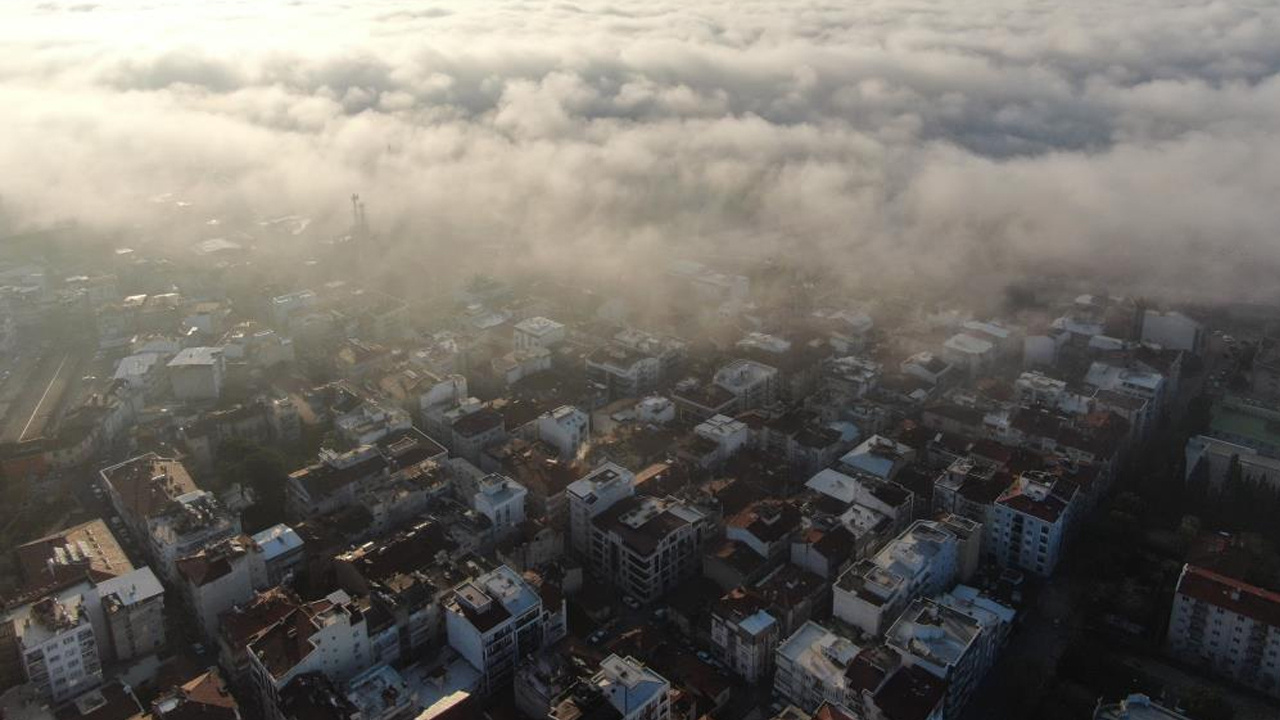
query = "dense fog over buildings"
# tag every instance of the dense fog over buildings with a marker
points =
(608, 360)
(940, 144)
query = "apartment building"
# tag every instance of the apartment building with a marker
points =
(1031, 521)
(744, 635)
(635, 691)
(593, 494)
(496, 620)
(923, 561)
(1228, 627)
(646, 545)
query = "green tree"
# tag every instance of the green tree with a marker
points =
(262, 470)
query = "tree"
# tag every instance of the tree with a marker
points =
(1209, 705)
(262, 470)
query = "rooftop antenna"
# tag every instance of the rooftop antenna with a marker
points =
(359, 225)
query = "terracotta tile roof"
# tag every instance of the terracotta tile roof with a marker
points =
(1230, 594)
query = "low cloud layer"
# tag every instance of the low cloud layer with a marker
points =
(905, 140)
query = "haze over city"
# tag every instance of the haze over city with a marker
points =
(620, 360)
(910, 141)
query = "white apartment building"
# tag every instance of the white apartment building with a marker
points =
(655, 410)
(634, 690)
(566, 429)
(623, 371)
(198, 373)
(877, 456)
(647, 546)
(56, 644)
(496, 620)
(971, 354)
(949, 644)
(812, 668)
(591, 495)
(216, 579)
(537, 332)
(371, 422)
(923, 561)
(728, 434)
(193, 521)
(1228, 627)
(754, 384)
(327, 636)
(280, 552)
(928, 367)
(500, 499)
(1030, 522)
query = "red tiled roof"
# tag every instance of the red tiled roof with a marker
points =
(1230, 594)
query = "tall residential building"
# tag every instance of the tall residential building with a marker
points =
(132, 608)
(646, 546)
(1031, 520)
(498, 618)
(1227, 626)
(216, 579)
(922, 561)
(950, 644)
(812, 667)
(593, 494)
(621, 371)
(327, 636)
(744, 635)
(55, 644)
(161, 504)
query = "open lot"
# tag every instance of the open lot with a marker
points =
(34, 392)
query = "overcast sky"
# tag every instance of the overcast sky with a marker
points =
(906, 139)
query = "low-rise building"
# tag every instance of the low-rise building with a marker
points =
(754, 384)
(538, 332)
(566, 429)
(634, 691)
(198, 373)
(500, 499)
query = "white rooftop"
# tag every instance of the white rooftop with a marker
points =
(196, 356)
(628, 684)
(132, 587)
(968, 344)
(538, 326)
(135, 366)
(277, 540)
(758, 622)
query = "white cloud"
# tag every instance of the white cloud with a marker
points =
(903, 140)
